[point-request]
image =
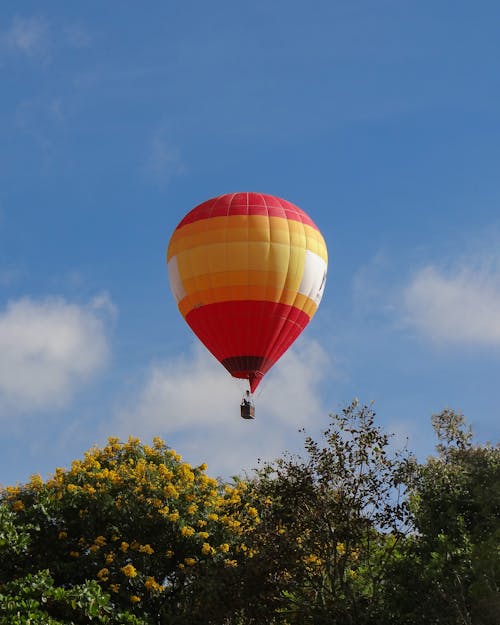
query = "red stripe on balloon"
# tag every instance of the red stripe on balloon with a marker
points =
(247, 204)
(247, 337)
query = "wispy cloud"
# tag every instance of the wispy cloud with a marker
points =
(163, 161)
(29, 36)
(459, 305)
(48, 349)
(193, 400)
(36, 38)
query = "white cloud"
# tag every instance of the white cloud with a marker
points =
(458, 306)
(48, 349)
(193, 403)
(29, 36)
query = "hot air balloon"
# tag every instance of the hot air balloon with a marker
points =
(248, 272)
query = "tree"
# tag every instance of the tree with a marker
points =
(351, 533)
(451, 572)
(330, 526)
(141, 523)
(34, 598)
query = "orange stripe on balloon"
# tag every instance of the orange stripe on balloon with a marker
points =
(242, 293)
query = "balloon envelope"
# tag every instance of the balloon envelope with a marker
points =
(248, 272)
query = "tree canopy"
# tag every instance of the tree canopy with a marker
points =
(350, 532)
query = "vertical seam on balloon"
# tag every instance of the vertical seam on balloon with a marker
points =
(287, 324)
(261, 321)
(233, 349)
(207, 320)
(247, 316)
(214, 319)
(277, 308)
(226, 268)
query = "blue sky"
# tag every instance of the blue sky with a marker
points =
(381, 120)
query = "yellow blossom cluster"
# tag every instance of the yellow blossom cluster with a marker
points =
(152, 585)
(186, 517)
(129, 570)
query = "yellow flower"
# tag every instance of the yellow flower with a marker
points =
(340, 548)
(18, 505)
(74, 554)
(115, 587)
(173, 516)
(203, 467)
(71, 488)
(230, 563)
(187, 530)
(352, 574)
(103, 574)
(62, 535)
(146, 549)
(152, 584)
(158, 442)
(212, 516)
(175, 455)
(191, 509)
(109, 558)
(36, 481)
(186, 472)
(203, 534)
(224, 547)
(124, 546)
(190, 561)
(312, 559)
(169, 553)
(165, 472)
(129, 570)
(135, 599)
(100, 541)
(207, 549)
(170, 491)
(252, 511)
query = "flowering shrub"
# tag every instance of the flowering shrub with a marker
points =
(137, 519)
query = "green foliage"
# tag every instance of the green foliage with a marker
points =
(351, 533)
(135, 519)
(35, 599)
(451, 572)
(14, 539)
(330, 525)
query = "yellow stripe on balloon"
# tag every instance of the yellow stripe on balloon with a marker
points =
(247, 229)
(244, 257)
